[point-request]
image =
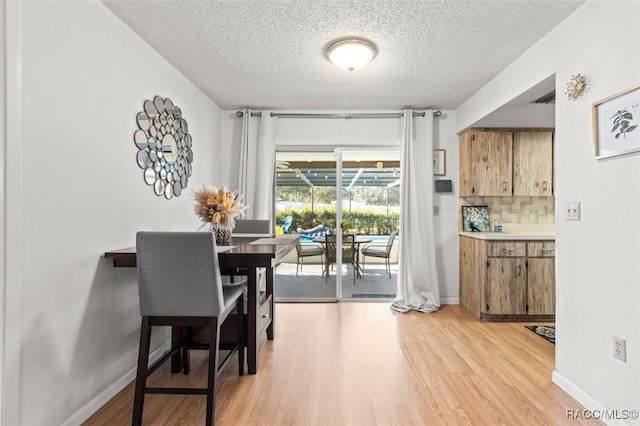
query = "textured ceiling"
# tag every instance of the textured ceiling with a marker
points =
(270, 54)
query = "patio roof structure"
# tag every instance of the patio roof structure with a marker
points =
(323, 173)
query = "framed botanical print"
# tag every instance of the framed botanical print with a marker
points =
(615, 124)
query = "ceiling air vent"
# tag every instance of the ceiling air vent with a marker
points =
(549, 98)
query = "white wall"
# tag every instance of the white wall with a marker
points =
(598, 277)
(309, 132)
(3, 104)
(85, 75)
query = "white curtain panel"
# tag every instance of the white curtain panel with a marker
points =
(257, 165)
(418, 286)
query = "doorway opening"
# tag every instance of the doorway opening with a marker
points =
(345, 204)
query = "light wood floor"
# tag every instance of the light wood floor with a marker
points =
(363, 364)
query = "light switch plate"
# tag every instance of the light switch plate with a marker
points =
(572, 210)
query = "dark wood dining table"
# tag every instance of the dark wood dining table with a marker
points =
(244, 256)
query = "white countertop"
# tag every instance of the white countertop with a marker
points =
(510, 236)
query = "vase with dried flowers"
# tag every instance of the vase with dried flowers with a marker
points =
(218, 208)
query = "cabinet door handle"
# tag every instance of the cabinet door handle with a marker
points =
(505, 186)
(545, 186)
(519, 271)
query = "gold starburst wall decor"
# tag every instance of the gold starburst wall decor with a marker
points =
(577, 86)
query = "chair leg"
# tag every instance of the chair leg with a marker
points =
(187, 337)
(388, 266)
(240, 325)
(297, 265)
(213, 371)
(141, 375)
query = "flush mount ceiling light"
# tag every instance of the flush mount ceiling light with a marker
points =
(352, 53)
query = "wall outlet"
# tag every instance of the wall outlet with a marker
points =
(572, 210)
(620, 348)
(436, 210)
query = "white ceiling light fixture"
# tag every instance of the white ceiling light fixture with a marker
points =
(351, 53)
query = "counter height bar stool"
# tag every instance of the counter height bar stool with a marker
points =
(179, 285)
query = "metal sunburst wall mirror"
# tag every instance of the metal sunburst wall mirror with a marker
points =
(164, 147)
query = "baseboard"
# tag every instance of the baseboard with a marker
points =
(103, 397)
(592, 407)
(449, 300)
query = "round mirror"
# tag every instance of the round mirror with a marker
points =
(177, 189)
(149, 176)
(158, 102)
(168, 192)
(164, 143)
(150, 109)
(168, 106)
(143, 121)
(140, 139)
(159, 187)
(143, 159)
(169, 148)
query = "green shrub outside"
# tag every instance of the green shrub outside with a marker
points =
(359, 221)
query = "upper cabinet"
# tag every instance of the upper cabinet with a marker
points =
(486, 163)
(504, 163)
(533, 163)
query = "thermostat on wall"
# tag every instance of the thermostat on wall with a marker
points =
(444, 186)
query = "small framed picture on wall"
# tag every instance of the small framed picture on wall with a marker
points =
(439, 162)
(616, 121)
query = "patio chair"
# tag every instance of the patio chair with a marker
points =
(308, 250)
(348, 253)
(382, 253)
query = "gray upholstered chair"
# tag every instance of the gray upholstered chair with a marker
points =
(179, 286)
(252, 227)
(382, 253)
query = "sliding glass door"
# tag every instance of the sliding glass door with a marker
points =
(370, 212)
(306, 204)
(344, 203)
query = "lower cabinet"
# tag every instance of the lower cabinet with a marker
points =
(507, 280)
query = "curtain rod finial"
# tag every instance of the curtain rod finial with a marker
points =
(437, 113)
(239, 113)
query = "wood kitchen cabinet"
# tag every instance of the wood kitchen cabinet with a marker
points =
(506, 287)
(541, 278)
(502, 162)
(533, 163)
(507, 280)
(486, 163)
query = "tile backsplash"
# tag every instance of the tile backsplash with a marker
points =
(515, 209)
